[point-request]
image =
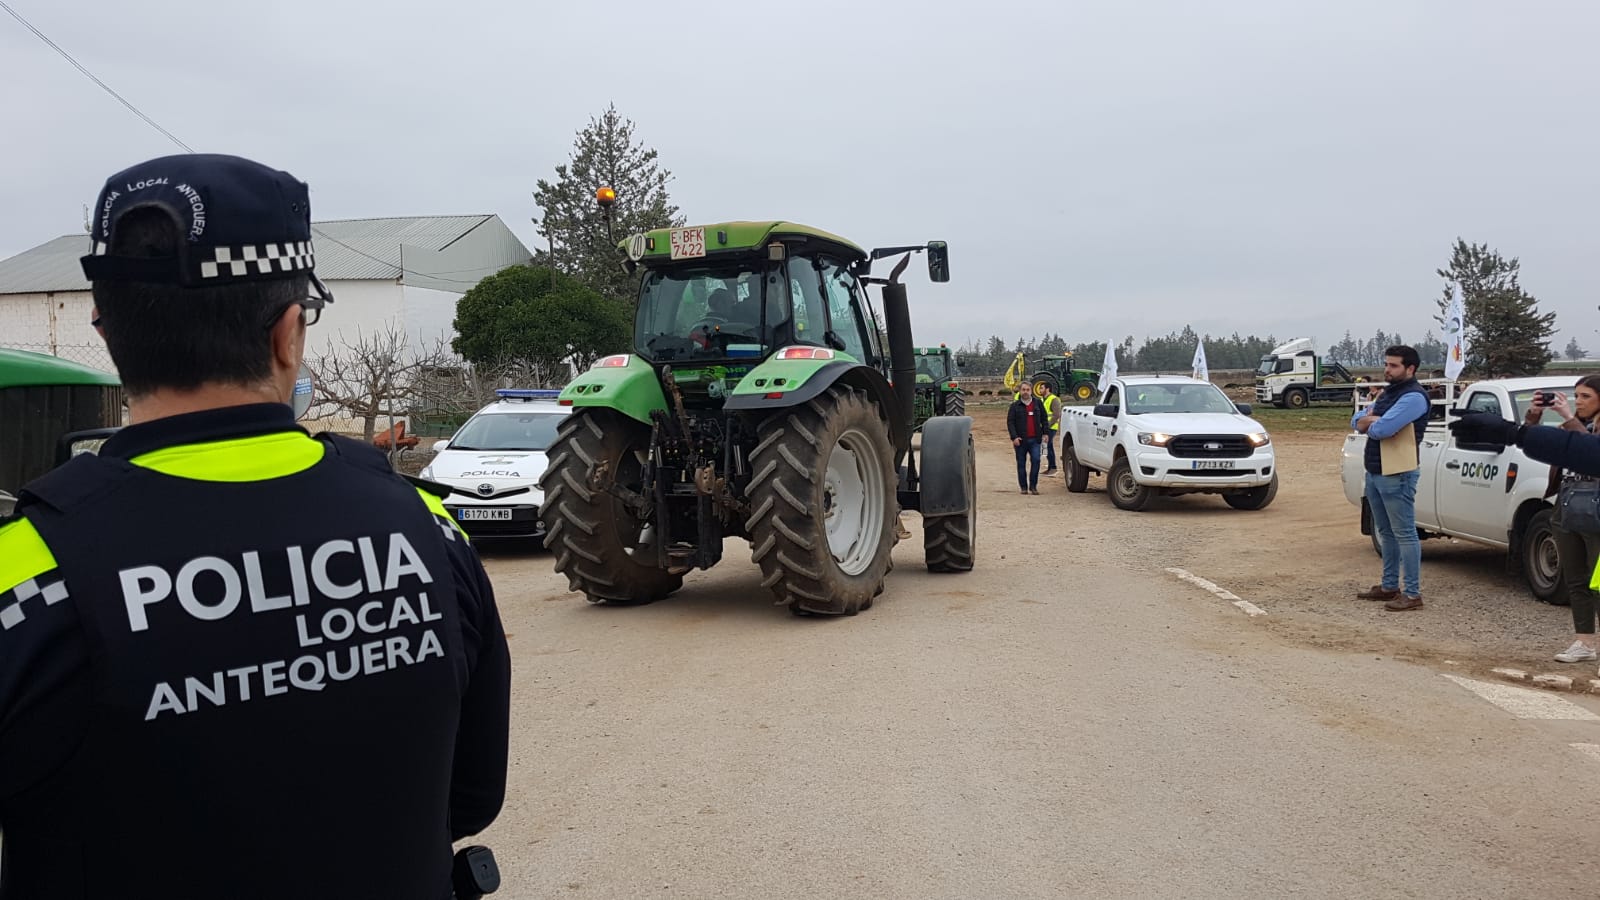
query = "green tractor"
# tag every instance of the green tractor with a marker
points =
(938, 392)
(47, 406)
(757, 403)
(1057, 372)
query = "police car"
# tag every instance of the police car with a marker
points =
(494, 463)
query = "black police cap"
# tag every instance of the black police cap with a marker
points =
(240, 221)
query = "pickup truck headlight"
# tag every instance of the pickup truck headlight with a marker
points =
(1259, 439)
(1154, 438)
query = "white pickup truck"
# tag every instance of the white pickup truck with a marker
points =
(1168, 435)
(1484, 493)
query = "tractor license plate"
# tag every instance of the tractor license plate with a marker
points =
(493, 514)
(1212, 464)
(688, 243)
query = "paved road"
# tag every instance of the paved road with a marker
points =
(1088, 727)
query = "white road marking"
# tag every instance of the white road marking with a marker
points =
(1524, 703)
(1249, 608)
(1590, 750)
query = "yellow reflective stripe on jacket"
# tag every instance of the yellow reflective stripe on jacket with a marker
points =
(437, 505)
(241, 459)
(23, 554)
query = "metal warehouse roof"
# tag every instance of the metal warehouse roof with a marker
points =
(346, 249)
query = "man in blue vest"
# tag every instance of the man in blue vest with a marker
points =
(235, 660)
(1392, 498)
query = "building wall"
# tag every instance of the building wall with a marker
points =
(56, 323)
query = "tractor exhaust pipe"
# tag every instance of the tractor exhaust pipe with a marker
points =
(897, 319)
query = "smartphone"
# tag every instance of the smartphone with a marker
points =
(1544, 398)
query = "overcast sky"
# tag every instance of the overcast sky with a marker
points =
(1099, 169)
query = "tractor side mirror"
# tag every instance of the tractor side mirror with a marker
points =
(961, 362)
(938, 261)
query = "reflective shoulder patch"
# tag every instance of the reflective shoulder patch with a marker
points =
(23, 554)
(437, 505)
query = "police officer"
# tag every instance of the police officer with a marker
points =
(235, 660)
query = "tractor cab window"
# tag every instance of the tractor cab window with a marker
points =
(845, 317)
(929, 368)
(801, 316)
(710, 312)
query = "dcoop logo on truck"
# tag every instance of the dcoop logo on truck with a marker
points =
(1480, 473)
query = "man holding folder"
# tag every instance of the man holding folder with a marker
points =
(1394, 424)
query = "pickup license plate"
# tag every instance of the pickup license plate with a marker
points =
(466, 515)
(688, 243)
(1212, 464)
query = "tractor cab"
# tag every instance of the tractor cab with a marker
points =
(712, 318)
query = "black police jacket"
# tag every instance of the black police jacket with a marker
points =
(237, 661)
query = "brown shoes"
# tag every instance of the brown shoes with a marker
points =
(1403, 603)
(1379, 592)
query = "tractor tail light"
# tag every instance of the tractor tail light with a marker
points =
(615, 361)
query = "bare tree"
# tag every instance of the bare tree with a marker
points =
(375, 375)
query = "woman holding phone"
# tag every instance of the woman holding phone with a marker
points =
(1577, 547)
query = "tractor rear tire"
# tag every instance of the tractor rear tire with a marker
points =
(598, 543)
(949, 543)
(823, 503)
(955, 404)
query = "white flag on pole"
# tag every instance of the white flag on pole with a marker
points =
(1108, 369)
(1455, 336)
(1199, 364)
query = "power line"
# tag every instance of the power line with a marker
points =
(91, 76)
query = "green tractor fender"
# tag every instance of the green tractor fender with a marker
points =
(781, 383)
(630, 388)
(946, 447)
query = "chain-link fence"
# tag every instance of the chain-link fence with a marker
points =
(93, 355)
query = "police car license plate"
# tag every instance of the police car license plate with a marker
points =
(688, 243)
(1212, 464)
(470, 514)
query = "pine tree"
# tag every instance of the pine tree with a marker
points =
(582, 244)
(1575, 352)
(1506, 334)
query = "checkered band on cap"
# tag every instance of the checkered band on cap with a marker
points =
(257, 259)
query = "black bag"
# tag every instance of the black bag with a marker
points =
(1578, 507)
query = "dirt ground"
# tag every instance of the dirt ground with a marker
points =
(1302, 559)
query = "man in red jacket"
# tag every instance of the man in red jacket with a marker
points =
(1027, 423)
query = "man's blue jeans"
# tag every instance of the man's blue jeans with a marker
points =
(1393, 501)
(1028, 453)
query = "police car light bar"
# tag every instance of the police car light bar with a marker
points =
(527, 394)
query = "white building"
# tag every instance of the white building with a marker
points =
(405, 271)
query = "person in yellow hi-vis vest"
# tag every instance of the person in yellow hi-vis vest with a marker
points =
(1052, 416)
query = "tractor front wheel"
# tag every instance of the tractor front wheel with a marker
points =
(955, 404)
(1083, 391)
(604, 548)
(1045, 380)
(949, 543)
(823, 503)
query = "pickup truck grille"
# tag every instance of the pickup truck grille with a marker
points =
(1210, 446)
